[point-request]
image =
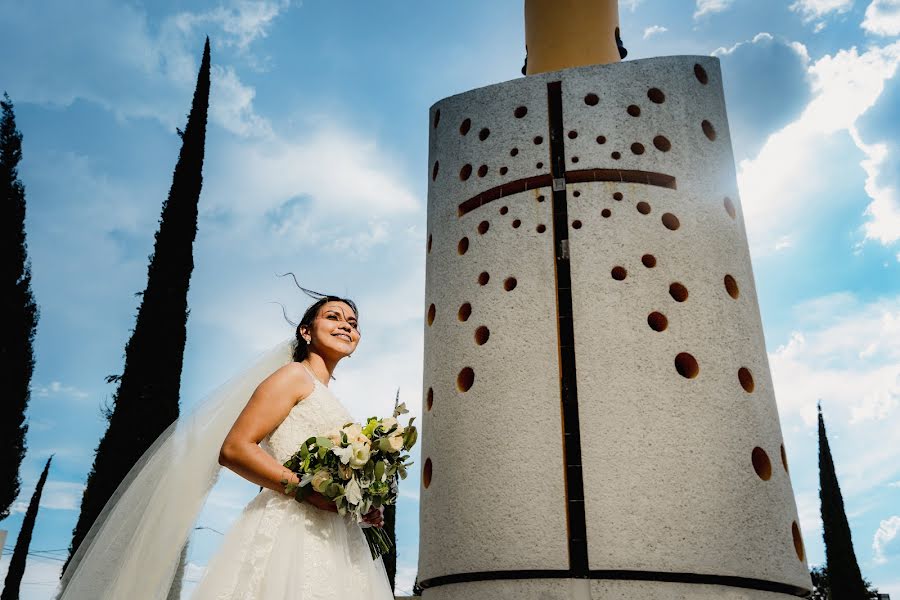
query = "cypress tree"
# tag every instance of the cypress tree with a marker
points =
(390, 559)
(17, 562)
(20, 313)
(844, 578)
(146, 401)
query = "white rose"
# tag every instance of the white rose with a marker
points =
(355, 434)
(321, 480)
(359, 454)
(395, 441)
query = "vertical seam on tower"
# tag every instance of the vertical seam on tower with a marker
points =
(575, 514)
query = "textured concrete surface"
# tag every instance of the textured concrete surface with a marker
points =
(669, 480)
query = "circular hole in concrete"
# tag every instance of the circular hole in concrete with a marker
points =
(465, 126)
(573, 134)
(643, 208)
(686, 365)
(514, 152)
(671, 221)
(483, 227)
(504, 210)
(520, 112)
(648, 260)
(437, 117)
(606, 213)
(482, 170)
(634, 110)
(619, 273)
(591, 99)
(574, 159)
(576, 193)
(656, 95)
(429, 242)
(483, 278)
(798, 541)
(731, 287)
(541, 198)
(481, 335)
(708, 130)
(678, 292)
(434, 170)
(426, 473)
(784, 458)
(637, 148)
(462, 246)
(464, 312)
(516, 223)
(510, 283)
(541, 228)
(465, 379)
(465, 172)
(601, 139)
(729, 208)
(540, 165)
(484, 134)
(431, 313)
(616, 155)
(745, 377)
(429, 398)
(617, 196)
(504, 170)
(657, 321)
(700, 74)
(576, 224)
(538, 140)
(662, 143)
(761, 463)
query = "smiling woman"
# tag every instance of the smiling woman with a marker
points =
(282, 546)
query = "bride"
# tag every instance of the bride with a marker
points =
(279, 548)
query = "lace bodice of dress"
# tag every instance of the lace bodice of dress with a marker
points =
(317, 414)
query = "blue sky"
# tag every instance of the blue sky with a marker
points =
(317, 163)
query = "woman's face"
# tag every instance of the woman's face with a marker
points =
(333, 332)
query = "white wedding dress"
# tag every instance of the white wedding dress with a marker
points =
(280, 549)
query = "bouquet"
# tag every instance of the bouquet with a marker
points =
(357, 467)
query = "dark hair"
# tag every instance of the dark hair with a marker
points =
(301, 349)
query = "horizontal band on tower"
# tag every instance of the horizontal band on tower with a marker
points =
(583, 176)
(620, 575)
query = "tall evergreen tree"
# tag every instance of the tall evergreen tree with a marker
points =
(146, 401)
(390, 559)
(17, 562)
(20, 313)
(844, 578)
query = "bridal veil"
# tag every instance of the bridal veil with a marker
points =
(133, 549)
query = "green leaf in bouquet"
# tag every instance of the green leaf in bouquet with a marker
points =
(409, 437)
(369, 470)
(379, 470)
(334, 490)
(370, 426)
(402, 471)
(324, 442)
(304, 450)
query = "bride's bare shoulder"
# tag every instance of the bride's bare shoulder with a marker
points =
(294, 379)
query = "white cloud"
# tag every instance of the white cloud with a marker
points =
(131, 67)
(56, 388)
(231, 104)
(845, 85)
(759, 37)
(887, 531)
(882, 17)
(56, 495)
(707, 7)
(815, 9)
(849, 356)
(653, 30)
(243, 21)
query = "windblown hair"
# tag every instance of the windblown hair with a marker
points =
(301, 349)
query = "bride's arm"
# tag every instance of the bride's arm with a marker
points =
(268, 406)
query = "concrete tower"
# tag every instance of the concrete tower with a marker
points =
(599, 417)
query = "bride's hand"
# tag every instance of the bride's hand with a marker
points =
(375, 517)
(320, 501)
